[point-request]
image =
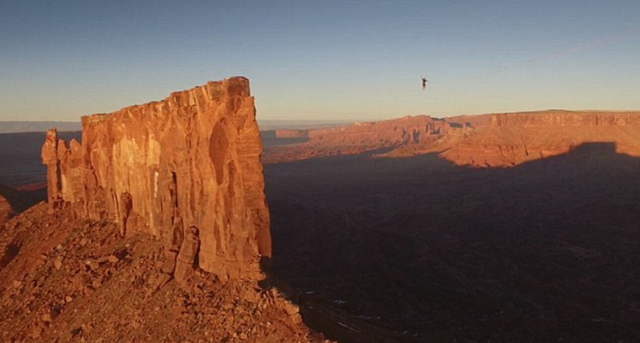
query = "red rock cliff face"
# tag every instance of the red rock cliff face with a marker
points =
(556, 118)
(513, 138)
(189, 160)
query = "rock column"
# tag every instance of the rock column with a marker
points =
(50, 158)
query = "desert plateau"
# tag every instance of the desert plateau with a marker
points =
(498, 227)
(319, 171)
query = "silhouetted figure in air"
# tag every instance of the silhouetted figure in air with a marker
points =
(424, 83)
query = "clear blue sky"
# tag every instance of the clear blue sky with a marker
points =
(359, 60)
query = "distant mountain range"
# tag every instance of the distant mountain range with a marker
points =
(38, 126)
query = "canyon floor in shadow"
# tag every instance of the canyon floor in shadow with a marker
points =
(420, 250)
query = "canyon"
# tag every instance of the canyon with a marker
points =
(496, 227)
(490, 140)
(503, 227)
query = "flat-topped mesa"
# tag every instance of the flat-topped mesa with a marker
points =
(513, 138)
(191, 160)
(560, 118)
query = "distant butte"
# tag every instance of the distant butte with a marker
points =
(186, 169)
(488, 140)
(513, 138)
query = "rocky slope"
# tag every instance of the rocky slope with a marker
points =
(69, 279)
(185, 169)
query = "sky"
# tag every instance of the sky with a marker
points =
(321, 60)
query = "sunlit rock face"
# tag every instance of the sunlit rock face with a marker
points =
(513, 138)
(192, 159)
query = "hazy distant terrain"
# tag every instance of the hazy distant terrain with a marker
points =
(37, 126)
(269, 124)
(265, 125)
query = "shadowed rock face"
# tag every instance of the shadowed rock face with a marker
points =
(191, 160)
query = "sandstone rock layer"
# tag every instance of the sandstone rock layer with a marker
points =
(192, 159)
(487, 140)
(513, 138)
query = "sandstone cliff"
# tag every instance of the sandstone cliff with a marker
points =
(191, 160)
(67, 279)
(513, 138)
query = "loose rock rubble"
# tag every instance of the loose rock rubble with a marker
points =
(65, 279)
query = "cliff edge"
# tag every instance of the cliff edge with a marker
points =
(513, 138)
(186, 169)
